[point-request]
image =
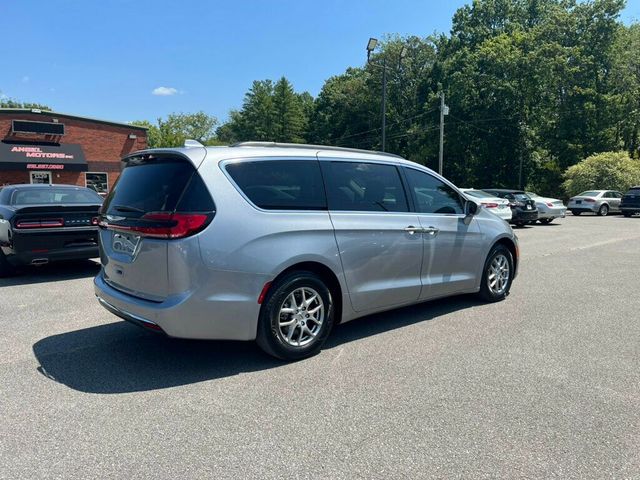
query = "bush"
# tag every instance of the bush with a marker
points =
(603, 171)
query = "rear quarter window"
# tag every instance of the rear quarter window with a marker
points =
(280, 184)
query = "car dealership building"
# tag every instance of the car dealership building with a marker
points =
(38, 146)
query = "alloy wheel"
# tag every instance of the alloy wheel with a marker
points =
(498, 274)
(301, 316)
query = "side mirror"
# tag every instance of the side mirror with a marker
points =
(470, 208)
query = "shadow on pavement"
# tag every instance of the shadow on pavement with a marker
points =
(121, 358)
(53, 272)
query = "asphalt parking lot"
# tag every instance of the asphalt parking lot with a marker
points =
(543, 385)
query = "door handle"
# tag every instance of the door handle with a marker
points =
(431, 231)
(411, 229)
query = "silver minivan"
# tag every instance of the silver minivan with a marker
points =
(278, 243)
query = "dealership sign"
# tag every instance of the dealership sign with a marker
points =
(42, 157)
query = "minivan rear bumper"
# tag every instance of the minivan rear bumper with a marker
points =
(189, 314)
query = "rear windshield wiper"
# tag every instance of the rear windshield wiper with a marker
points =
(124, 208)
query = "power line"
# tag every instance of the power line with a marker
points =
(379, 128)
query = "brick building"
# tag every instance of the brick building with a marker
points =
(46, 147)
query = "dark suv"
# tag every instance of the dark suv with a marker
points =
(523, 207)
(631, 202)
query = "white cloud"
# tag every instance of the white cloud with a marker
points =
(164, 91)
(25, 79)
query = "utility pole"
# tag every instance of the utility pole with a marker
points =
(384, 104)
(444, 110)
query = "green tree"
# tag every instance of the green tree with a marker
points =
(608, 170)
(270, 112)
(178, 127)
(289, 120)
(10, 103)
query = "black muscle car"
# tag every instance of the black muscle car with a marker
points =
(46, 223)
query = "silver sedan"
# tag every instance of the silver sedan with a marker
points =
(548, 208)
(600, 202)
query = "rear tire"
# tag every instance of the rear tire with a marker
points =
(575, 212)
(603, 210)
(6, 269)
(497, 275)
(296, 316)
(627, 214)
(546, 221)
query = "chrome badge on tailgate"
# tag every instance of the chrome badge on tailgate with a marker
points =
(125, 243)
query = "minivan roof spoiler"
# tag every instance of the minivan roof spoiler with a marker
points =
(310, 147)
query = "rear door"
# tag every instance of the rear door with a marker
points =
(452, 247)
(378, 238)
(614, 199)
(138, 209)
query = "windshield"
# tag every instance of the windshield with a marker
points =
(589, 193)
(53, 195)
(533, 195)
(478, 193)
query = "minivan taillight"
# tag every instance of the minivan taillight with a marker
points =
(165, 225)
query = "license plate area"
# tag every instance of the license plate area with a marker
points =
(578, 202)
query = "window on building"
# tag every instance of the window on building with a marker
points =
(97, 181)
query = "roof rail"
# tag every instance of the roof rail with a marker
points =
(311, 147)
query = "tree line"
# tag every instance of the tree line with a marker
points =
(540, 84)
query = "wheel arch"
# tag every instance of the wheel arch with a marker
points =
(324, 272)
(512, 247)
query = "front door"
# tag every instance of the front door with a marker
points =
(452, 259)
(40, 177)
(378, 238)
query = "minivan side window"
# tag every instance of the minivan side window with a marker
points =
(432, 195)
(281, 184)
(364, 187)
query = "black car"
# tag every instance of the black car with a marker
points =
(45, 223)
(630, 203)
(523, 207)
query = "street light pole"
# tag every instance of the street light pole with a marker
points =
(371, 45)
(442, 113)
(384, 104)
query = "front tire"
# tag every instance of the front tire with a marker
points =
(603, 211)
(497, 275)
(296, 317)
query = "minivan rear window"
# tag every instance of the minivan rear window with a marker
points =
(156, 185)
(281, 184)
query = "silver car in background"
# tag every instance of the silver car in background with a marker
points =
(496, 205)
(278, 243)
(600, 202)
(548, 208)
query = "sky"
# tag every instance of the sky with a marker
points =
(125, 60)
